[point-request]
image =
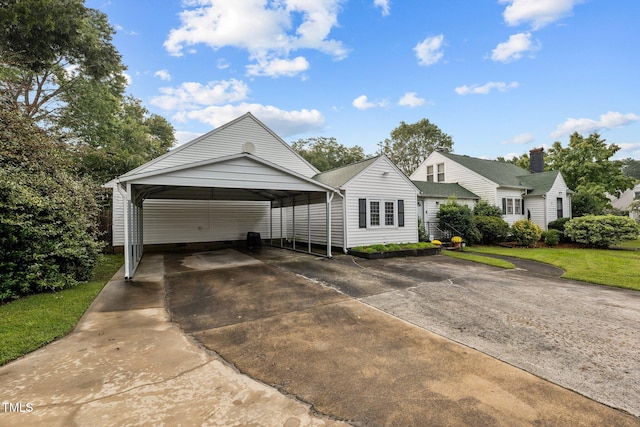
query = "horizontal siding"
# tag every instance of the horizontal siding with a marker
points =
(372, 184)
(236, 173)
(180, 221)
(536, 206)
(431, 206)
(318, 216)
(511, 194)
(230, 140)
(118, 218)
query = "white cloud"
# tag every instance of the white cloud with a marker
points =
(538, 12)
(629, 146)
(429, 51)
(163, 75)
(265, 29)
(609, 120)
(185, 136)
(384, 5)
(411, 99)
(127, 78)
(191, 94)
(278, 67)
(513, 48)
(362, 103)
(284, 123)
(523, 138)
(222, 64)
(486, 88)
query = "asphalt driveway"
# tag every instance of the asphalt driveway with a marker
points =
(317, 329)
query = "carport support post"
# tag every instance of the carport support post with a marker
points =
(280, 202)
(270, 223)
(293, 213)
(328, 224)
(309, 222)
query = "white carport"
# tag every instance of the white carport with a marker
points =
(240, 177)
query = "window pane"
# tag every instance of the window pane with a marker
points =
(516, 206)
(559, 202)
(509, 206)
(374, 213)
(388, 213)
(429, 173)
(441, 172)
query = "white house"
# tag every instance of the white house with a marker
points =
(624, 201)
(540, 196)
(242, 177)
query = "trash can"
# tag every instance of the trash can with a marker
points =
(253, 241)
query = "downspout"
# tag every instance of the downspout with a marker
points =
(345, 233)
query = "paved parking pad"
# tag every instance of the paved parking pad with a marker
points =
(353, 362)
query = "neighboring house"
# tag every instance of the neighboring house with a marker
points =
(537, 195)
(624, 201)
(242, 177)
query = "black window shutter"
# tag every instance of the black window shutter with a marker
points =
(522, 210)
(504, 206)
(362, 213)
(400, 213)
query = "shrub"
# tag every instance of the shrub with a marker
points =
(551, 237)
(492, 228)
(47, 219)
(422, 232)
(526, 232)
(602, 230)
(460, 217)
(483, 208)
(558, 225)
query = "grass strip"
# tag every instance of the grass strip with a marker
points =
(36, 320)
(479, 259)
(600, 266)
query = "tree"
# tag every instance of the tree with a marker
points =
(631, 168)
(134, 138)
(326, 153)
(587, 162)
(522, 162)
(460, 218)
(410, 144)
(46, 48)
(589, 200)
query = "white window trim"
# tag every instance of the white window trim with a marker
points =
(381, 204)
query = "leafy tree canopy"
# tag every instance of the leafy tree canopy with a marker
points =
(631, 168)
(411, 144)
(326, 153)
(46, 46)
(587, 162)
(522, 161)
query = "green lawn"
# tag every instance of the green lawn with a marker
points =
(631, 244)
(479, 259)
(601, 266)
(34, 321)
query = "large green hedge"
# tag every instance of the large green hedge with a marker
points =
(47, 218)
(602, 230)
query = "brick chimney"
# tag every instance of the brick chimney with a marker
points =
(536, 157)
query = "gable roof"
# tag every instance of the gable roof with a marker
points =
(339, 176)
(502, 173)
(539, 183)
(444, 190)
(228, 139)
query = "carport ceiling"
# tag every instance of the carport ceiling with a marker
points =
(222, 193)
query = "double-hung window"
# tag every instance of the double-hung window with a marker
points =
(430, 173)
(374, 213)
(380, 213)
(440, 172)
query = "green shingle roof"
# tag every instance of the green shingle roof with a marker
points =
(340, 176)
(502, 173)
(539, 183)
(445, 190)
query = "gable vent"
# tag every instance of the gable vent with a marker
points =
(248, 147)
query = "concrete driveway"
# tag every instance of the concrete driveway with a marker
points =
(319, 330)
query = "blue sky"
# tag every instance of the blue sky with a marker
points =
(499, 76)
